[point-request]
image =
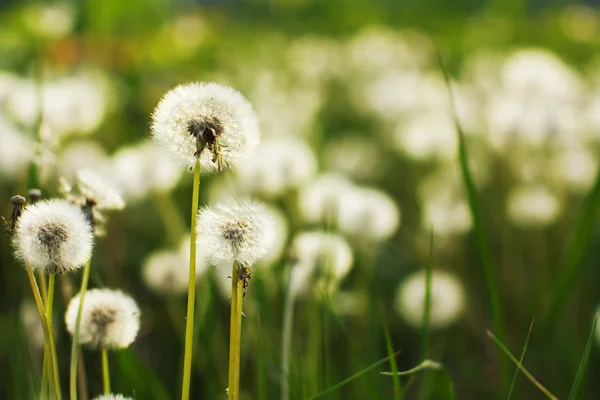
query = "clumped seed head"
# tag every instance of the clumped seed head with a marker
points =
(53, 236)
(235, 230)
(112, 397)
(110, 319)
(206, 121)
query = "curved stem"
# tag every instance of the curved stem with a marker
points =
(40, 306)
(286, 342)
(189, 326)
(53, 359)
(105, 371)
(75, 343)
(235, 334)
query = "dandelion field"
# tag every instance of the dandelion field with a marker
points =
(388, 201)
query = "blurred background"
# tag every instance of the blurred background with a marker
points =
(354, 112)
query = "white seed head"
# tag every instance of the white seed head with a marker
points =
(217, 115)
(53, 236)
(319, 201)
(281, 229)
(324, 258)
(532, 206)
(79, 155)
(16, 150)
(109, 319)
(278, 165)
(167, 272)
(112, 397)
(447, 301)
(235, 230)
(93, 186)
(368, 213)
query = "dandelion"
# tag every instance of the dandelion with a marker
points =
(368, 213)
(447, 301)
(207, 122)
(533, 206)
(240, 231)
(279, 165)
(319, 201)
(16, 150)
(109, 319)
(112, 397)
(53, 236)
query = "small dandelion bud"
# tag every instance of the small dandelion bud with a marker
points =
(109, 319)
(53, 236)
(447, 301)
(112, 397)
(235, 230)
(17, 202)
(368, 214)
(278, 165)
(209, 122)
(324, 258)
(35, 195)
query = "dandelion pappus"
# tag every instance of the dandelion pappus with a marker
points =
(17, 202)
(207, 132)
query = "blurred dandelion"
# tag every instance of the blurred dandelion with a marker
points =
(532, 206)
(112, 397)
(447, 299)
(319, 200)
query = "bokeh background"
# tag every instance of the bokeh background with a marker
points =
(360, 83)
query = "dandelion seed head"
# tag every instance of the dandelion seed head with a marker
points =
(278, 165)
(235, 230)
(531, 206)
(368, 213)
(324, 258)
(112, 397)
(110, 319)
(319, 201)
(94, 187)
(53, 236)
(166, 272)
(209, 113)
(80, 155)
(16, 150)
(447, 301)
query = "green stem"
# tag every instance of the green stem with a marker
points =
(105, 371)
(44, 390)
(49, 306)
(286, 342)
(40, 306)
(75, 343)
(235, 334)
(189, 326)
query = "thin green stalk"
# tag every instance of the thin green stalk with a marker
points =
(398, 395)
(105, 371)
(53, 359)
(583, 363)
(191, 303)
(44, 387)
(43, 286)
(40, 306)
(427, 301)
(235, 334)
(482, 245)
(512, 385)
(521, 367)
(75, 344)
(286, 343)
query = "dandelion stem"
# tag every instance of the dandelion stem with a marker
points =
(105, 371)
(40, 306)
(49, 306)
(43, 286)
(75, 344)
(235, 334)
(286, 342)
(189, 325)
(44, 390)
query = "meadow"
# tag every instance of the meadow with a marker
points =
(385, 200)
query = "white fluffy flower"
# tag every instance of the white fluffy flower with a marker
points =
(112, 397)
(447, 301)
(94, 187)
(53, 236)
(16, 151)
(278, 165)
(319, 201)
(206, 117)
(109, 319)
(79, 155)
(167, 272)
(320, 257)
(533, 206)
(368, 213)
(235, 230)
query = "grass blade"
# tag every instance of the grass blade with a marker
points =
(522, 368)
(482, 246)
(577, 244)
(425, 365)
(586, 355)
(390, 349)
(427, 301)
(512, 385)
(351, 378)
